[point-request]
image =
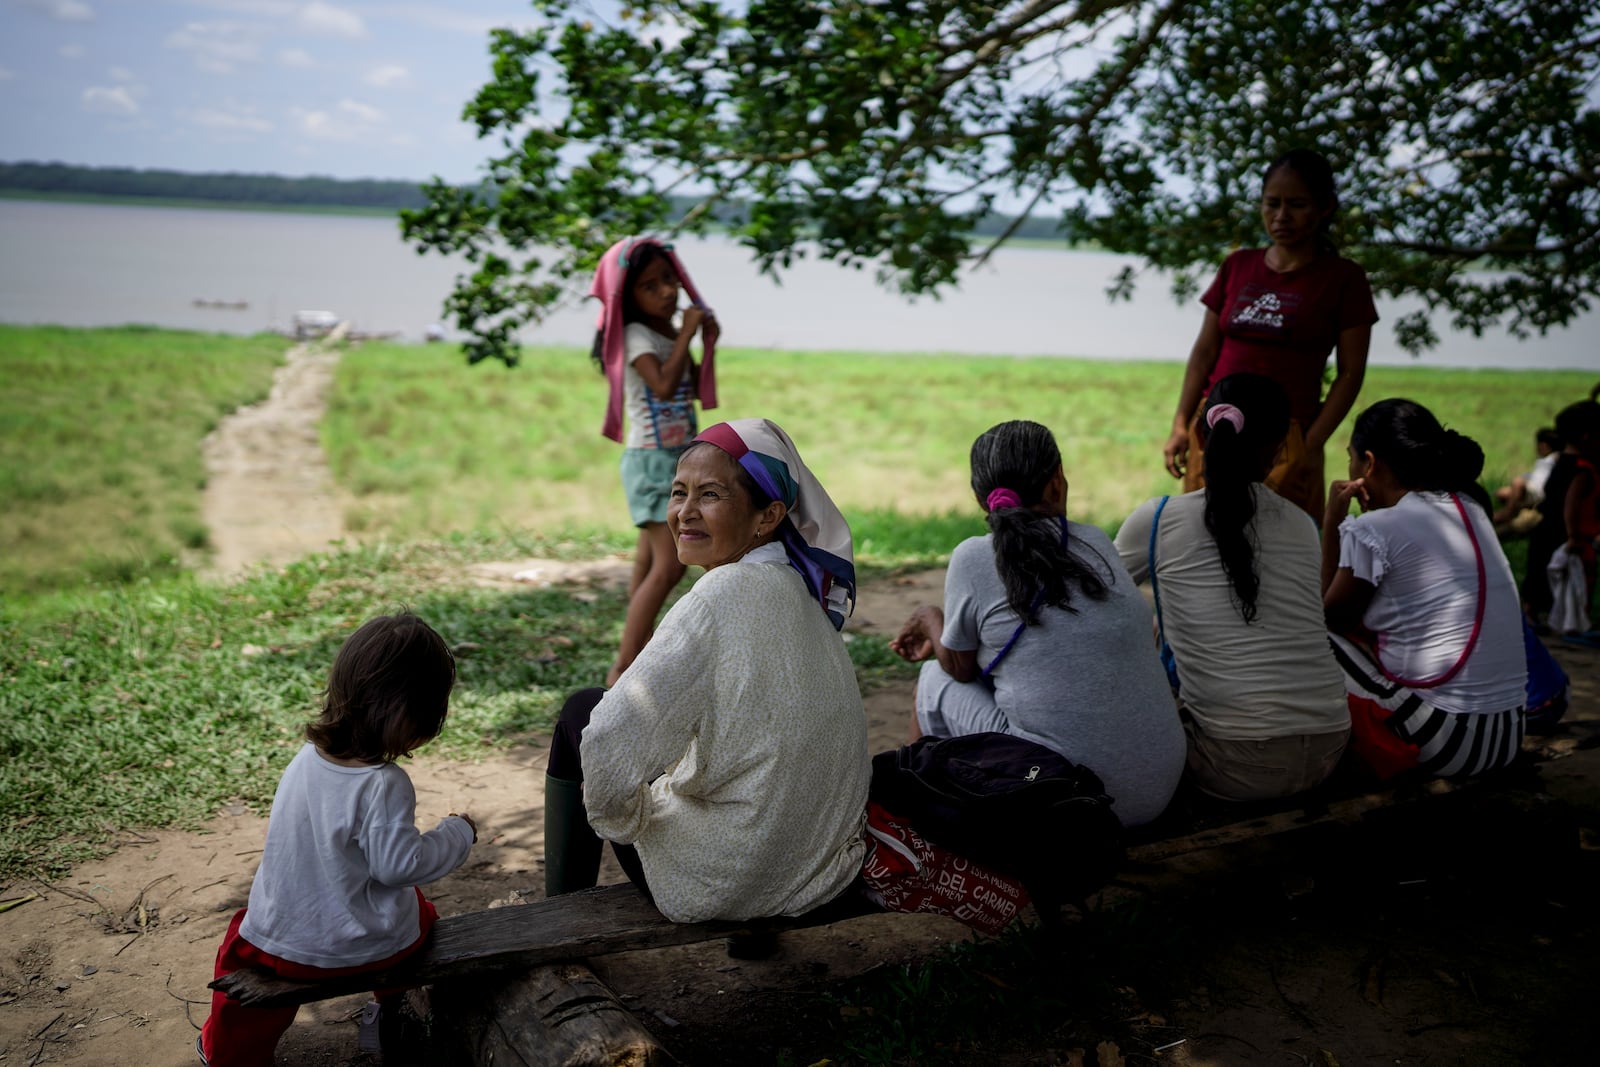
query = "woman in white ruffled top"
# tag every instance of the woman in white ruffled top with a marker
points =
(1428, 628)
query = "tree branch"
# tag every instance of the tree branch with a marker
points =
(1493, 249)
(1016, 224)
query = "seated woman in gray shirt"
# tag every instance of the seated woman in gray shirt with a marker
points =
(1045, 636)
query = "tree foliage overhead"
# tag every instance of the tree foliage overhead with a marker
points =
(876, 132)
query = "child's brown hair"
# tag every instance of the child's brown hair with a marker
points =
(388, 692)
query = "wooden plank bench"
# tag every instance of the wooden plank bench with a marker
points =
(591, 922)
(512, 982)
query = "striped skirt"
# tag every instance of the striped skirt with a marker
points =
(1393, 729)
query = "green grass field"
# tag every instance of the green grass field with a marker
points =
(133, 695)
(100, 466)
(427, 446)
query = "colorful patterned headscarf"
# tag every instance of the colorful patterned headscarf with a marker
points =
(814, 535)
(609, 277)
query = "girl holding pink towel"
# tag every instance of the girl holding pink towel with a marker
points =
(652, 375)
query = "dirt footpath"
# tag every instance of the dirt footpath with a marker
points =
(269, 496)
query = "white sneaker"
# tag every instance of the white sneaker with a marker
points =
(367, 1037)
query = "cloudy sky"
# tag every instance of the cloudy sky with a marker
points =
(348, 88)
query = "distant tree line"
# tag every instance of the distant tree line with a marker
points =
(57, 178)
(62, 178)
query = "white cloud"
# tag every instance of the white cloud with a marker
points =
(217, 47)
(388, 77)
(350, 121)
(117, 101)
(296, 57)
(440, 17)
(235, 121)
(361, 111)
(321, 125)
(272, 8)
(120, 74)
(71, 51)
(65, 10)
(330, 21)
(6, 74)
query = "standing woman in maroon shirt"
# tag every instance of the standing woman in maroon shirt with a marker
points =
(1280, 311)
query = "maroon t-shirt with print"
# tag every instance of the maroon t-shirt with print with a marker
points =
(1285, 325)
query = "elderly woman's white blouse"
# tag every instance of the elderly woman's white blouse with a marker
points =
(744, 711)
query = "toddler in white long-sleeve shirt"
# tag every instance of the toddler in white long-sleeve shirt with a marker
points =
(336, 892)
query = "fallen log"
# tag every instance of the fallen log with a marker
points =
(560, 1015)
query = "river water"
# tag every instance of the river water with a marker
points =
(244, 271)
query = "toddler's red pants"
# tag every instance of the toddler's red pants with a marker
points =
(239, 1036)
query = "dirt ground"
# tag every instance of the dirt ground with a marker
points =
(108, 966)
(1328, 948)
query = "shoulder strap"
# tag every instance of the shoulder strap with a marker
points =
(1155, 588)
(1477, 616)
(1038, 599)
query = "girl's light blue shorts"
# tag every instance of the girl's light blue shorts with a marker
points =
(647, 475)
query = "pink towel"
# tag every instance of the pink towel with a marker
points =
(607, 288)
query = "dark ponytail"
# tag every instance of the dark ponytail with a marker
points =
(1238, 457)
(1031, 550)
(640, 255)
(1422, 454)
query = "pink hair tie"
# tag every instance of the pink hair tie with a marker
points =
(1228, 412)
(1003, 498)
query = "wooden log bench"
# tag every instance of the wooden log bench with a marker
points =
(577, 926)
(513, 986)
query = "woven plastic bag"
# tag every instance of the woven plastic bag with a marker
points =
(904, 871)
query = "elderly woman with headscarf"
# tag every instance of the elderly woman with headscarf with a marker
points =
(732, 754)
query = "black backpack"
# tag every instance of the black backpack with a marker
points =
(1009, 804)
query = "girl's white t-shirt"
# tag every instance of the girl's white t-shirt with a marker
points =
(1419, 558)
(652, 422)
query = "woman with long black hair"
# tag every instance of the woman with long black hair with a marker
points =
(1428, 628)
(1044, 636)
(1235, 568)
